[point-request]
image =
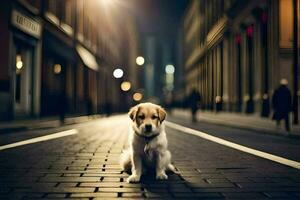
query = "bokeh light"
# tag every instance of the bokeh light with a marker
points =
(140, 60)
(170, 69)
(125, 86)
(137, 96)
(118, 73)
(19, 63)
(57, 69)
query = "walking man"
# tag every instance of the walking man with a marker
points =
(194, 102)
(281, 103)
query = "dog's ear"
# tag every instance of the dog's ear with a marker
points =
(132, 112)
(161, 114)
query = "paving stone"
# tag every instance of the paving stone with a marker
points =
(210, 195)
(71, 175)
(56, 195)
(278, 195)
(183, 195)
(70, 179)
(68, 190)
(95, 194)
(111, 179)
(132, 195)
(244, 195)
(116, 175)
(66, 184)
(128, 190)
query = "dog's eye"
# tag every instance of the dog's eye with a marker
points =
(141, 117)
(154, 117)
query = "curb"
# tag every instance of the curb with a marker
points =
(43, 124)
(292, 134)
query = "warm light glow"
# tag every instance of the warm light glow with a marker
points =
(137, 96)
(285, 23)
(170, 69)
(57, 69)
(19, 63)
(107, 3)
(118, 73)
(126, 85)
(140, 60)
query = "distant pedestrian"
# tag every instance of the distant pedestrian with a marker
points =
(281, 103)
(108, 109)
(194, 103)
(62, 105)
(89, 106)
(218, 103)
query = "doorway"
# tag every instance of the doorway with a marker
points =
(23, 66)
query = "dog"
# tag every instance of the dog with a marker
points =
(148, 145)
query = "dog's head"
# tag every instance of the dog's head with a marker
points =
(147, 118)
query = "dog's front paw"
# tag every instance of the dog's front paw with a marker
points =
(162, 176)
(133, 179)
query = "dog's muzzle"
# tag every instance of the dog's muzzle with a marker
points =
(148, 128)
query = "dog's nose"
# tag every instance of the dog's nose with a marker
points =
(148, 127)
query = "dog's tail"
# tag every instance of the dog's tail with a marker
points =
(125, 161)
(172, 169)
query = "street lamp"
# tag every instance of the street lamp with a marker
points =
(118, 73)
(125, 86)
(140, 60)
(19, 63)
(57, 69)
(169, 69)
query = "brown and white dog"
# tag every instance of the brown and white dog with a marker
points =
(148, 143)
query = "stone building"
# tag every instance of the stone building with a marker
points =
(58, 56)
(236, 51)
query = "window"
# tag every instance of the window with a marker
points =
(286, 23)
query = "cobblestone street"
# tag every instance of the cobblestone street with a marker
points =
(85, 166)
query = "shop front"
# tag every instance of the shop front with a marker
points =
(25, 65)
(58, 68)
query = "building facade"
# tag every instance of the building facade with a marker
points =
(236, 52)
(58, 56)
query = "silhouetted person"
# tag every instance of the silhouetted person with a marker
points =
(89, 106)
(108, 109)
(218, 103)
(62, 104)
(194, 102)
(281, 103)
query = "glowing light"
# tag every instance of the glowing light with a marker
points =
(107, 3)
(57, 69)
(140, 60)
(125, 86)
(137, 96)
(170, 69)
(118, 73)
(19, 63)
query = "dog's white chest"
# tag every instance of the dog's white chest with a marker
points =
(149, 152)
